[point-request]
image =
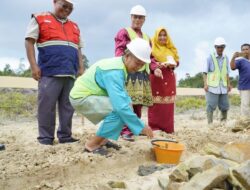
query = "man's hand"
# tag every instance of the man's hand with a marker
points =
(80, 71)
(158, 73)
(36, 72)
(205, 87)
(236, 54)
(147, 131)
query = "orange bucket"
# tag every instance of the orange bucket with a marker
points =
(167, 151)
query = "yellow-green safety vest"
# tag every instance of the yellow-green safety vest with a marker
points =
(214, 78)
(86, 85)
(132, 35)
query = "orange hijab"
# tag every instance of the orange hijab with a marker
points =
(160, 52)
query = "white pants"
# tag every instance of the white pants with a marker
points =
(245, 103)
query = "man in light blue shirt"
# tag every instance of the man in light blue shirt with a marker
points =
(100, 95)
(216, 81)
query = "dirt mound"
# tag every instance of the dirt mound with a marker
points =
(25, 164)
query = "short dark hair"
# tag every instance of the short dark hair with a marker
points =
(244, 45)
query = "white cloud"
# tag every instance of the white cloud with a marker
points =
(13, 62)
(193, 25)
(201, 53)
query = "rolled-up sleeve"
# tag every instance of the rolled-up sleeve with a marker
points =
(32, 30)
(121, 40)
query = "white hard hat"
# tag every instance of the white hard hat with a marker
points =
(69, 1)
(140, 49)
(219, 41)
(170, 60)
(138, 10)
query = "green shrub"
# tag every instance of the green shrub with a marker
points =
(234, 100)
(184, 103)
(14, 104)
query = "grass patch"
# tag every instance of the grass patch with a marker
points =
(234, 100)
(16, 104)
(184, 103)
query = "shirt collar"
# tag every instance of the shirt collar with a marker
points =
(216, 55)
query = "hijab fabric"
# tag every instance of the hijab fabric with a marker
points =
(160, 52)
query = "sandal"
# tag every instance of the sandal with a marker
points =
(110, 144)
(101, 151)
(128, 138)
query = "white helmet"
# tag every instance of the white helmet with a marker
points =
(69, 1)
(140, 49)
(219, 41)
(138, 10)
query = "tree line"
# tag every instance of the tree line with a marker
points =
(22, 72)
(188, 82)
(197, 81)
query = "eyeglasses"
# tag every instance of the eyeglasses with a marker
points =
(138, 17)
(66, 6)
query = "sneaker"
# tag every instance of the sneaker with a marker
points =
(128, 138)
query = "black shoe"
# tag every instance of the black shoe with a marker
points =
(68, 140)
(2, 147)
(45, 141)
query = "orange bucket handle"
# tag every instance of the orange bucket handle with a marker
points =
(165, 140)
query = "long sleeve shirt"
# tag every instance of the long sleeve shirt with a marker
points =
(113, 81)
(122, 39)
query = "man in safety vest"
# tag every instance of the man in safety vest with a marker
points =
(216, 81)
(100, 95)
(59, 62)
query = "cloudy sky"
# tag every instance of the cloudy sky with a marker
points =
(192, 24)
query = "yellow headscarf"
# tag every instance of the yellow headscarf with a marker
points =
(160, 52)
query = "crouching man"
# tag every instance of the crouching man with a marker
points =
(100, 95)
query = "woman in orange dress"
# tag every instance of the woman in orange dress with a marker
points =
(163, 82)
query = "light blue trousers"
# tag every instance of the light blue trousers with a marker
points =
(214, 100)
(99, 109)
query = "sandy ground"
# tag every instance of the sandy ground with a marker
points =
(21, 82)
(25, 164)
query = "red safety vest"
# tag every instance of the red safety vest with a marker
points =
(58, 45)
(52, 29)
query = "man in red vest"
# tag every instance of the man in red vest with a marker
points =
(59, 62)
